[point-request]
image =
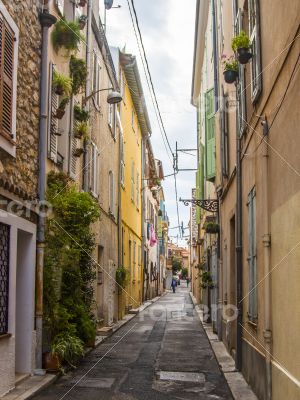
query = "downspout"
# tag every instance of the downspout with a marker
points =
(239, 255)
(143, 216)
(87, 94)
(46, 20)
(267, 251)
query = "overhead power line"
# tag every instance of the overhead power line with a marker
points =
(146, 67)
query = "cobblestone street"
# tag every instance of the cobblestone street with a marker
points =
(163, 353)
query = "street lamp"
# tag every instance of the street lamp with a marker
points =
(113, 97)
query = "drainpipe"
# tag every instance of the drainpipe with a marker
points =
(87, 94)
(143, 216)
(239, 255)
(46, 20)
(267, 251)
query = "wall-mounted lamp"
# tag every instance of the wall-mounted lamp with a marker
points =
(113, 97)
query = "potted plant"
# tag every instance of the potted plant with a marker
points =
(212, 227)
(66, 34)
(121, 276)
(78, 152)
(80, 114)
(240, 44)
(78, 73)
(51, 361)
(206, 280)
(60, 111)
(82, 21)
(81, 130)
(230, 69)
(61, 84)
(67, 347)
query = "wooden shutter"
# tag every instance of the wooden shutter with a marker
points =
(52, 121)
(224, 137)
(241, 87)
(210, 139)
(252, 253)
(7, 43)
(254, 32)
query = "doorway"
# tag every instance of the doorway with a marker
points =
(25, 297)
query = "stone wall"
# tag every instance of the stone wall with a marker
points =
(20, 175)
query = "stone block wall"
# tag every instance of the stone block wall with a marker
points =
(19, 175)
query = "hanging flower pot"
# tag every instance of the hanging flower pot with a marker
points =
(60, 111)
(230, 69)
(61, 84)
(244, 55)
(78, 152)
(81, 130)
(82, 3)
(240, 45)
(82, 21)
(230, 76)
(212, 228)
(66, 34)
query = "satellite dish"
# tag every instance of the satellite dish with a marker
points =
(108, 4)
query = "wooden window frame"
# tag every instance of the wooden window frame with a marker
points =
(8, 142)
(255, 62)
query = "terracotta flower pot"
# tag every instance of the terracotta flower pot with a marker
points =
(51, 362)
(59, 113)
(244, 55)
(82, 3)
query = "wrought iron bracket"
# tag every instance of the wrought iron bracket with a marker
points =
(208, 205)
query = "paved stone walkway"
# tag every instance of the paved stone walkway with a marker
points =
(162, 354)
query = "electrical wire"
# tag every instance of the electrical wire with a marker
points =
(148, 69)
(150, 82)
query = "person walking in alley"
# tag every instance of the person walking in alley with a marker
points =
(187, 281)
(173, 284)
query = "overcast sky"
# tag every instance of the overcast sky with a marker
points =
(167, 28)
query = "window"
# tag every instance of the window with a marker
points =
(122, 161)
(111, 185)
(132, 119)
(210, 139)
(253, 9)
(9, 36)
(4, 277)
(96, 79)
(224, 137)
(137, 190)
(252, 255)
(134, 253)
(140, 255)
(93, 169)
(241, 86)
(132, 181)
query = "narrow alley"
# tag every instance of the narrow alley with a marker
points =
(163, 353)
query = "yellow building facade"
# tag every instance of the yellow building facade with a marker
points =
(135, 126)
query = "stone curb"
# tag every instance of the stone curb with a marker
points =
(235, 380)
(29, 387)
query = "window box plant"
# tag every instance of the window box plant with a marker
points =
(78, 152)
(80, 114)
(230, 70)
(66, 34)
(78, 73)
(82, 21)
(81, 130)
(241, 44)
(61, 84)
(60, 111)
(211, 227)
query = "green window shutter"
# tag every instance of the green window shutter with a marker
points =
(210, 139)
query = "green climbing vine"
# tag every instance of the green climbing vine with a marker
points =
(69, 271)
